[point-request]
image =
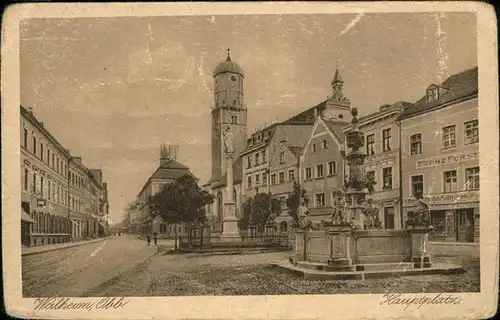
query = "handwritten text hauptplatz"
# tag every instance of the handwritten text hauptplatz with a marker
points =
(397, 299)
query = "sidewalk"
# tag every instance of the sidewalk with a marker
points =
(27, 251)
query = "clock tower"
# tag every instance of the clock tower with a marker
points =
(228, 110)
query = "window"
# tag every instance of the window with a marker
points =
(319, 171)
(249, 181)
(324, 145)
(282, 177)
(471, 131)
(41, 186)
(314, 147)
(48, 155)
(387, 176)
(449, 137)
(257, 179)
(320, 200)
(450, 181)
(291, 175)
(386, 140)
(264, 178)
(25, 138)
(34, 145)
(249, 162)
(417, 184)
(41, 151)
(264, 159)
(53, 161)
(416, 144)
(25, 180)
(33, 186)
(58, 164)
(370, 175)
(432, 94)
(332, 168)
(282, 157)
(273, 179)
(370, 145)
(389, 218)
(308, 173)
(472, 178)
(257, 159)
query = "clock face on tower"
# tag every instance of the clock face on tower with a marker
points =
(233, 78)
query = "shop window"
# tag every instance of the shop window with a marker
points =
(416, 144)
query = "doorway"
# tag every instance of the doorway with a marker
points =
(389, 217)
(465, 225)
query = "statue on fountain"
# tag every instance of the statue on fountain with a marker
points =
(371, 213)
(303, 214)
(421, 215)
(338, 208)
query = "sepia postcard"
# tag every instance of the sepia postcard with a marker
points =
(250, 160)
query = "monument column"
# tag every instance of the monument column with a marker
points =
(229, 221)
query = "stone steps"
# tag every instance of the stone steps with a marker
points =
(312, 274)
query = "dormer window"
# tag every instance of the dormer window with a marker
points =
(432, 93)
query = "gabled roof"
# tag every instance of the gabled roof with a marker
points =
(459, 86)
(337, 128)
(307, 116)
(297, 151)
(169, 171)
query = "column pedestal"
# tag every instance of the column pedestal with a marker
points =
(230, 223)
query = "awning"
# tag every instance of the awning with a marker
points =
(26, 217)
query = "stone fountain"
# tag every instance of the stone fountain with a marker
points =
(353, 245)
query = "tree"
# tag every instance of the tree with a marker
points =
(257, 209)
(293, 200)
(180, 201)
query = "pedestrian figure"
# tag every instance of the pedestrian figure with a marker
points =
(155, 235)
(149, 240)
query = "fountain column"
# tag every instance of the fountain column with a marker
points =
(355, 184)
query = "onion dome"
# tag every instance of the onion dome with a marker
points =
(228, 66)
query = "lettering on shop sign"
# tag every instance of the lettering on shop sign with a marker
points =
(446, 198)
(453, 158)
(108, 303)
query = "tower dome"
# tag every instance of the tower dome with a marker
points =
(228, 66)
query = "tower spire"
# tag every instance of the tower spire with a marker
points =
(228, 55)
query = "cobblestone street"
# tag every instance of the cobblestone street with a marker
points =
(72, 271)
(191, 274)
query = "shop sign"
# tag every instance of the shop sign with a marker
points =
(452, 158)
(445, 198)
(41, 203)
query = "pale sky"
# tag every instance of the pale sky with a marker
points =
(113, 89)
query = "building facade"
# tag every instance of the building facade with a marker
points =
(440, 157)
(44, 184)
(54, 188)
(169, 170)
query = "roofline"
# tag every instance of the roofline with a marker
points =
(439, 106)
(368, 119)
(33, 120)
